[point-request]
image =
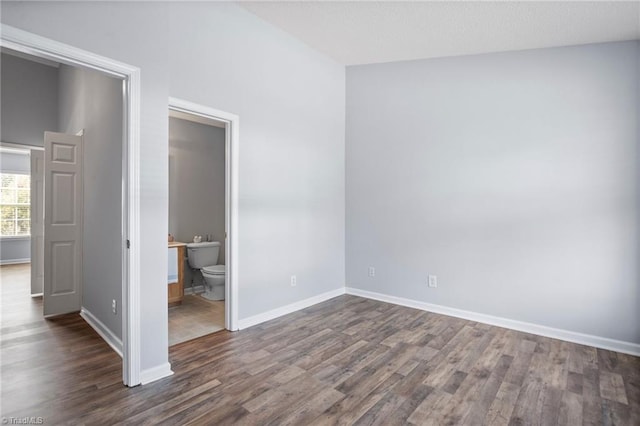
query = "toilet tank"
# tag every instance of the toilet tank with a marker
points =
(203, 254)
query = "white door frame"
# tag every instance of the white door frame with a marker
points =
(232, 135)
(41, 47)
(36, 209)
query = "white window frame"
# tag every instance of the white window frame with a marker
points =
(16, 236)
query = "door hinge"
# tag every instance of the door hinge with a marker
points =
(128, 244)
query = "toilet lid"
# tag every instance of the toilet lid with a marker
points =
(214, 269)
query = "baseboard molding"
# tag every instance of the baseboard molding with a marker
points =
(102, 330)
(156, 373)
(293, 307)
(541, 330)
(194, 290)
(14, 261)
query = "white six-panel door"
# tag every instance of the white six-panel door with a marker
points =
(37, 221)
(62, 223)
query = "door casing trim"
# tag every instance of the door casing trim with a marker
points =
(42, 47)
(232, 140)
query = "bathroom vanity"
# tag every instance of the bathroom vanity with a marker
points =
(175, 273)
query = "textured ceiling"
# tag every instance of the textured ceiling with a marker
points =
(370, 32)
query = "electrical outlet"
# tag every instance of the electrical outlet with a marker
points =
(114, 306)
(372, 271)
(294, 281)
(432, 281)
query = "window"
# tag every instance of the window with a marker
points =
(15, 201)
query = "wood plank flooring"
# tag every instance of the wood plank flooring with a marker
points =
(345, 361)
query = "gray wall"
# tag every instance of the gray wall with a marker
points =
(15, 250)
(89, 26)
(29, 100)
(196, 181)
(93, 102)
(14, 162)
(28, 107)
(290, 100)
(513, 177)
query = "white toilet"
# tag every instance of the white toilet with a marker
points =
(204, 256)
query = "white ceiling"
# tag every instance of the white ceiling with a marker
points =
(371, 32)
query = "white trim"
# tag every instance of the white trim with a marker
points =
(14, 150)
(14, 172)
(194, 290)
(41, 47)
(156, 373)
(35, 59)
(37, 294)
(20, 146)
(293, 307)
(131, 274)
(102, 330)
(15, 237)
(527, 327)
(232, 136)
(14, 261)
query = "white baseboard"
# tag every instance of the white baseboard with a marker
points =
(194, 290)
(293, 307)
(102, 330)
(156, 373)
(14, 261)
(541, 330)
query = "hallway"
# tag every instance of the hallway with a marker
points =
(43, 361)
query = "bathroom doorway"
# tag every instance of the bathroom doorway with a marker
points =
(199, 232)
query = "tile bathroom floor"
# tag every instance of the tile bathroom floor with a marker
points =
(195, 317)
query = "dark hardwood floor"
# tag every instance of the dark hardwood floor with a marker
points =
(345, 361)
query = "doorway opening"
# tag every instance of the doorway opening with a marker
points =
(202, 235)
(64, 211)
(126, 138)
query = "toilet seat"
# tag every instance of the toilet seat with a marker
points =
(214, 270)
